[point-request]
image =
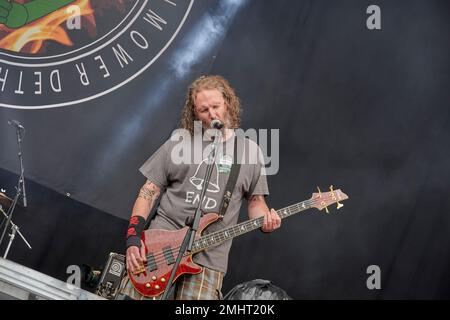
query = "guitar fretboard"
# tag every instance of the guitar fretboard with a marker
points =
(218, 237)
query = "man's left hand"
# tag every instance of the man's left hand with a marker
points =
(271, 222)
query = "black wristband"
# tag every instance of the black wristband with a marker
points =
(133, 241)
(135, 228)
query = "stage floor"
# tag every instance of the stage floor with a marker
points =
(18, 282)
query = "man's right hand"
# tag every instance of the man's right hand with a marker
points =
(135, 257)
(12, 14)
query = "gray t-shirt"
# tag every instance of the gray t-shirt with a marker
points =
(180, 182)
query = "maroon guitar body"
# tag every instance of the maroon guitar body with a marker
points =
(161, 248)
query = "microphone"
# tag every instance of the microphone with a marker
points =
(24, 194)
(216, 124)
(19, 127)
(16, 124)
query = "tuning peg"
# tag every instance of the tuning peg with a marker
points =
(320, 196)
(339, 205)
(320, 193)
(333, 196)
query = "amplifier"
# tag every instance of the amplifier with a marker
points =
(111, 276)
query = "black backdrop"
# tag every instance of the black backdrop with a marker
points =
(366, 111)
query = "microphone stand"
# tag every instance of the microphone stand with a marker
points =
(193, 224)
(20, 190)
(14, 229)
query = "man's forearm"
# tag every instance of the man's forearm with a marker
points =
(142, 207)
(257, 207)
(146, 199)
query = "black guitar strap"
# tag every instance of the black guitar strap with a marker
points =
(231, 183)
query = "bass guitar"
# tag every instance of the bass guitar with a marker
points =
(162, 246)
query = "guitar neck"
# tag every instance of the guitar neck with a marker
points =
(218, 237)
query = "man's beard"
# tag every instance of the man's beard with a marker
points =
(226, 124)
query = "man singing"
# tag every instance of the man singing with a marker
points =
(178, 184)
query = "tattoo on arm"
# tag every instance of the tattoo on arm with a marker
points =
(149, 192)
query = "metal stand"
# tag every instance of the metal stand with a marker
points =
(20, 190)
(14, 229)
(188, 240)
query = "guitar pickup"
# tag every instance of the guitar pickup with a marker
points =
(168, 255)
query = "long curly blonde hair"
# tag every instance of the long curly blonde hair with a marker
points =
(207, 83)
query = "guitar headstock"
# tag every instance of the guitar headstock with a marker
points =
(321, 200)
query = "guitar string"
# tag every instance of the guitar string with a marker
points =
(160, 257)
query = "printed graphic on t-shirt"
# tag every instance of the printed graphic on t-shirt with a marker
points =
(225, 162)
(197, 181)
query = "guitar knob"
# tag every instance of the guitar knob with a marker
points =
(148, 285)
(156, 287)
(163, 279)
(154, 278)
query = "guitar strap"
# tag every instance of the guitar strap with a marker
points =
(231, 183)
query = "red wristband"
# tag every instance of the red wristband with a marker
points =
(135, 228)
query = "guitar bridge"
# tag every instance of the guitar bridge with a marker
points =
(140, 270)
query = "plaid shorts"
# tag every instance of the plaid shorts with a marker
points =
(203, 286)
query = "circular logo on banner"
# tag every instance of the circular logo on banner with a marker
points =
(63, 52)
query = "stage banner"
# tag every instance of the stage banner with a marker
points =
(98, 86)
